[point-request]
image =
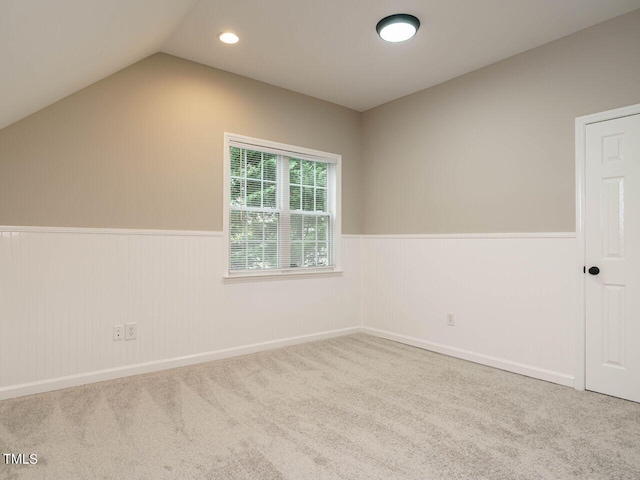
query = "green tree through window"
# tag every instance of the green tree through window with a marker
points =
(280, 214)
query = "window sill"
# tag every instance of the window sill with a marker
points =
(281, 275)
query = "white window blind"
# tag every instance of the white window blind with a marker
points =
(281, 209)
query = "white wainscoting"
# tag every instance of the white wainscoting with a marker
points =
(513, 297)
(63, 290)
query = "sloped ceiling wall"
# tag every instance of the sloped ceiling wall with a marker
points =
(51, 49)
(328, 50)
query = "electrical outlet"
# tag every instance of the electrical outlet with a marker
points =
(131, 331)
(450, 320)
(118, 332)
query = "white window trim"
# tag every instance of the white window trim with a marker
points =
(336, 206)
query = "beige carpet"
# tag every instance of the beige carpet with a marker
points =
(355, 407)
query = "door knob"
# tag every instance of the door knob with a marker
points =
(594, 270)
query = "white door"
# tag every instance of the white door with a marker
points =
(612, 207)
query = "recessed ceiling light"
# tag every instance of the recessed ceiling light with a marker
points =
(398, 28)
(228, 37)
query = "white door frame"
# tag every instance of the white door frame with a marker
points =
(581, 158)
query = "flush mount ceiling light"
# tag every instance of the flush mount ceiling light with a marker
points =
(398, 28)
(228, 38)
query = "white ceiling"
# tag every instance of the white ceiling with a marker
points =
(324, 48)
(52, 48)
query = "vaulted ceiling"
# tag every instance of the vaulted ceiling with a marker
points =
(328, 49)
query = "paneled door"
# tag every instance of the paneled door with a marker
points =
(612, 209)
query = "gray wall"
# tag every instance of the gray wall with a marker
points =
(144, 148)
(493, 150)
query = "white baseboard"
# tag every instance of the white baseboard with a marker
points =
(148, 367)
(20, 390)
(509, 366)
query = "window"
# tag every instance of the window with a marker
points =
(281, 208)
